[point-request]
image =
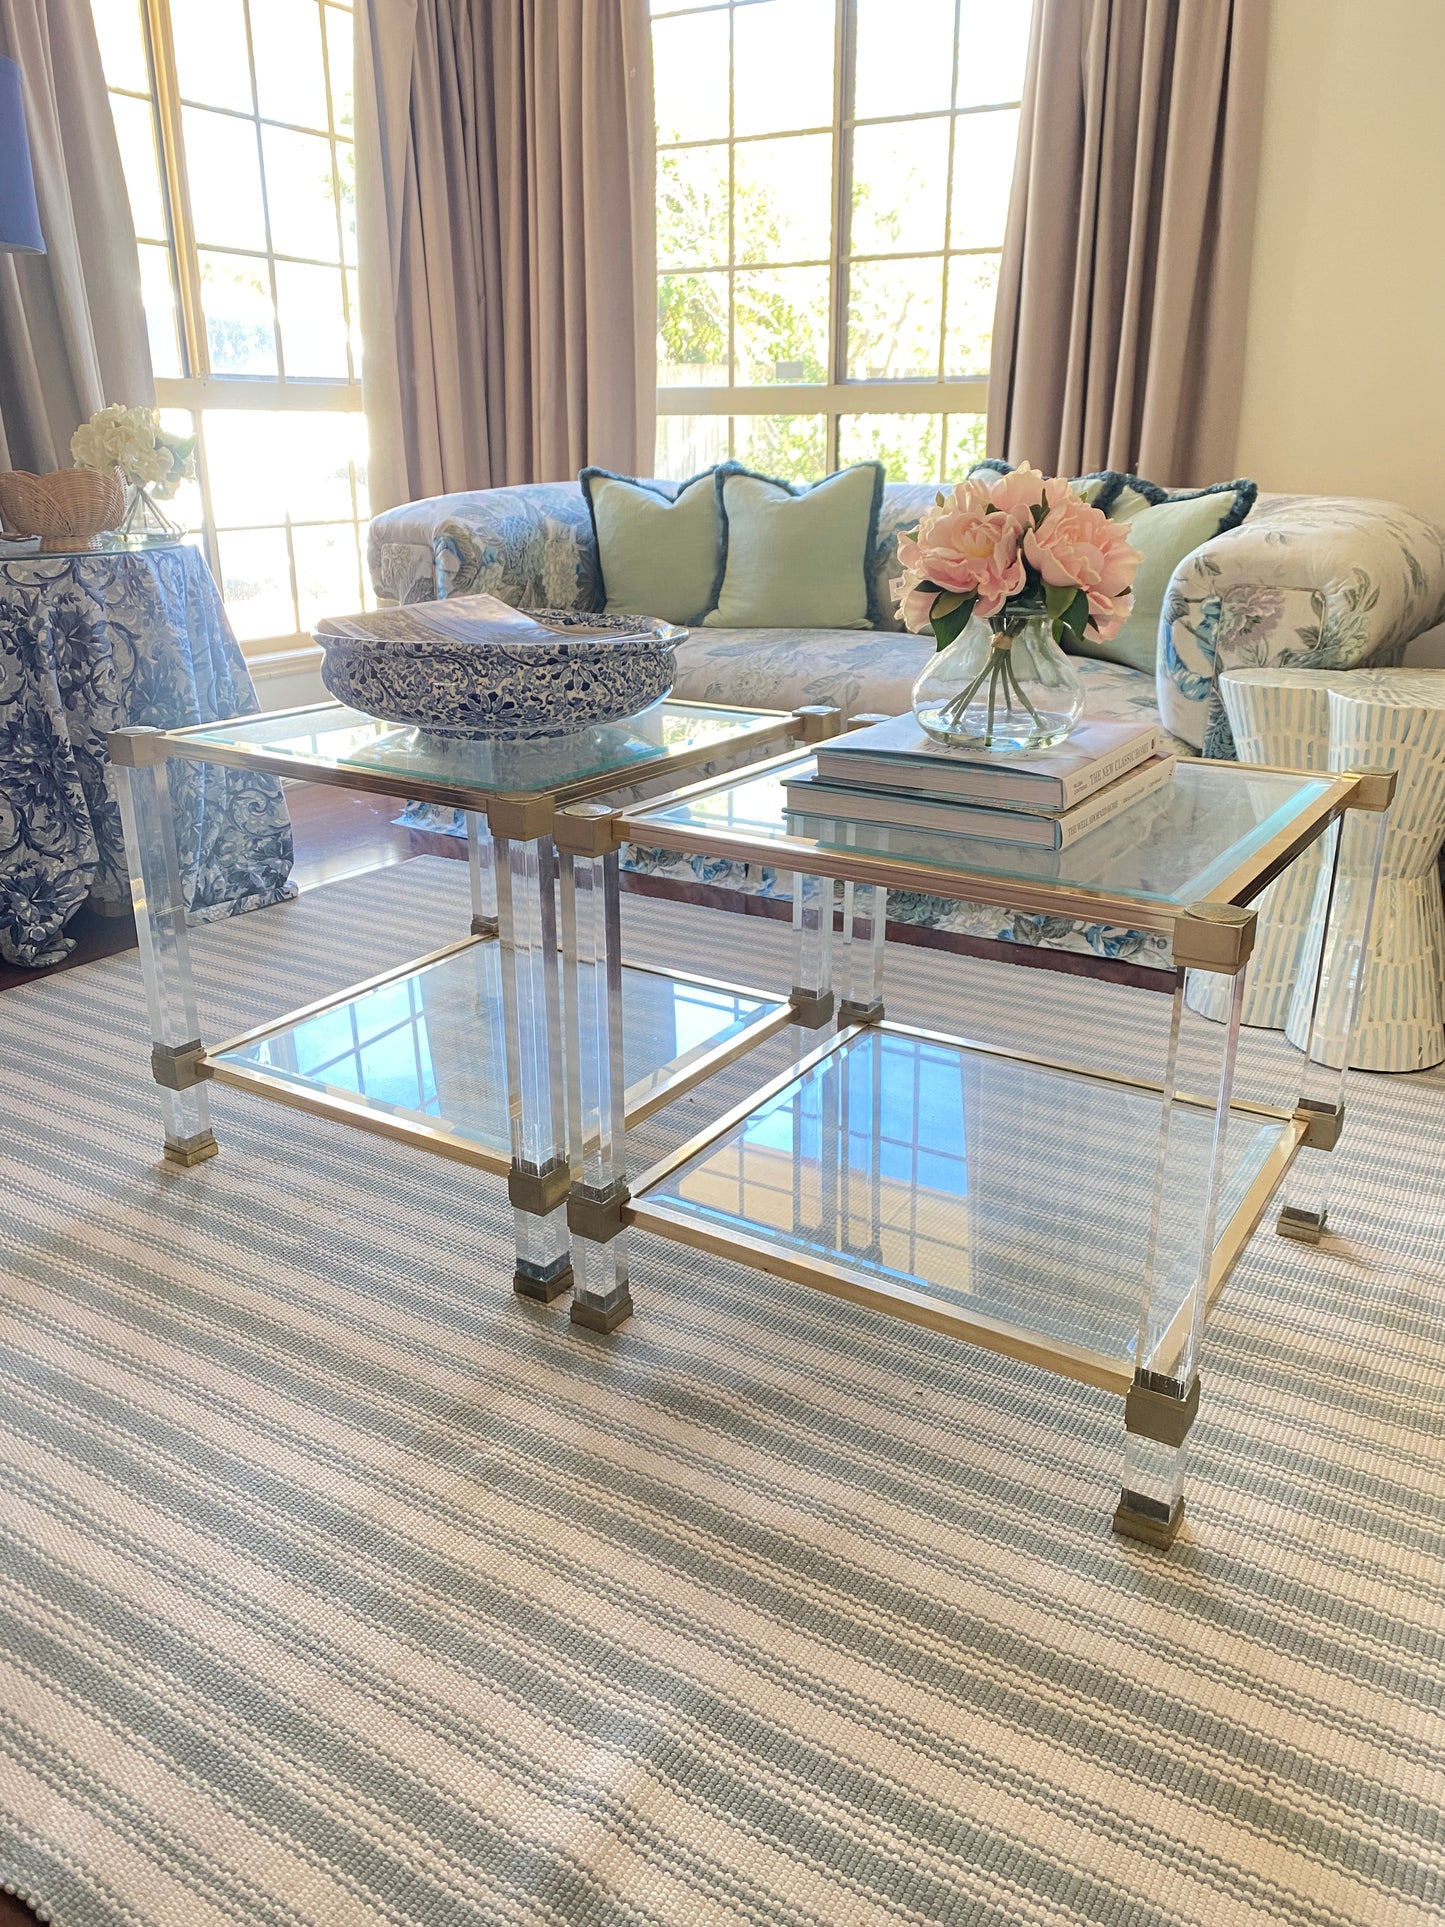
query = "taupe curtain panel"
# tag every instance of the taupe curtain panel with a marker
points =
(1119, 331)
(504, 197)
(72, 324)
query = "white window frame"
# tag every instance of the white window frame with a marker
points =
(198, 390)
(839, 396)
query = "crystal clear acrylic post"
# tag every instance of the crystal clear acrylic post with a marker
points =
(865, 907)
(531, 1025)
(143, 793)
(596, 1120)
(812, 994)
(482, 869)
(1160, 1406)
(1334, 957)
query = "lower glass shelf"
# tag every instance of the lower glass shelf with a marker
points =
(1006, 1201)
(420, 1055)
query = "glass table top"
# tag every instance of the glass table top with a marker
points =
(997, 1189)
(334, 737)
(1172, 848)
(429, 1045)
(108, 544)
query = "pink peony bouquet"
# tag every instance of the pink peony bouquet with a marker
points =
(1007, 547)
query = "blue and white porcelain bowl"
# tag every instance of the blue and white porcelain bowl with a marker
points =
(432, 666)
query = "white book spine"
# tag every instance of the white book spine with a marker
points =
(1081, 820)
(1084, 782)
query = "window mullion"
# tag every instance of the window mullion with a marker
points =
(184, 261)
(845, 48)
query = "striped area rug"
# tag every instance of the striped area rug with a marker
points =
(338, 1585)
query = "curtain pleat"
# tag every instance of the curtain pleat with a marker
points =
(1119, 327)
(505, 186)
(72, 322)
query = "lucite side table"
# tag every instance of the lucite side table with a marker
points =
(1062, 1214)
(460, 1051)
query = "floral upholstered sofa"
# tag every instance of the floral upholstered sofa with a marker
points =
(1311, 581)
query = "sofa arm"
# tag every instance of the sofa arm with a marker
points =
(530, 546)
(1311, 581)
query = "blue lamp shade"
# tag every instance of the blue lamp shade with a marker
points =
(19, 216)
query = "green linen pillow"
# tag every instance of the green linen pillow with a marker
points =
(658, 557)
(1164, 525)
(797, 558)
(1164, 530)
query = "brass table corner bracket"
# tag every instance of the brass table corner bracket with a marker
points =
(542, 1287)
(137, 746)
(850, 1012)
(1214, 936)
(597, 1217)
(600, 1318)
(810, 1010)
(816, 722)
(519, 819)
(1374, 789)
(1136, 1517)
(179, 1067)
(1323, 1123)
(539, 1193)
(588, 829)
(1165, 1416)
(486, 927)
(1304, 1227)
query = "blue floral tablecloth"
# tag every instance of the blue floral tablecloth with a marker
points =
(92, 643)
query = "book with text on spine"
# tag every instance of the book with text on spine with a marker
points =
(811, 796)
(896, 755)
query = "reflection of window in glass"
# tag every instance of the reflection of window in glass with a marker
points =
(831, 225)
(234, 119)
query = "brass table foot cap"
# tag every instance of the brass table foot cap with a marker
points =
(542, 1290)
(1305, 1227)
(811, 1009)
(1150, 1528)
(193, 1150)
(851, 1013)
(599, 1318)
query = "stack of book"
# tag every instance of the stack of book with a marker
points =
(893, 775)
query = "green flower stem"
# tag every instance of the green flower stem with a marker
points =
(997, 670)
(1011, 675)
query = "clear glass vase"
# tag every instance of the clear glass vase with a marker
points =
(1004, 686)
(146, 522)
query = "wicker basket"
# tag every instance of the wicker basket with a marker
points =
(67, 509)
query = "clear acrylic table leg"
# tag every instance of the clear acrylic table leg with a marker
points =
(531, 1023)
(160, 921)
(812, 995)
(1335, 956)
(596, 1121)
(482, 869)
(1160, 1406)
(865, 907)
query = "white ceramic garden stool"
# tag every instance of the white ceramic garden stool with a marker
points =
(1387, 719)
(1280, 717)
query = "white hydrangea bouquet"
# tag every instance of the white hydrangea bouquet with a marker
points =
(153, 461)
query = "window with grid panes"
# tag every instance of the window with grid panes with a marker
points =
(234, 121)
(832, 185)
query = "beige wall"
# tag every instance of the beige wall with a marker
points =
(1344, 381)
